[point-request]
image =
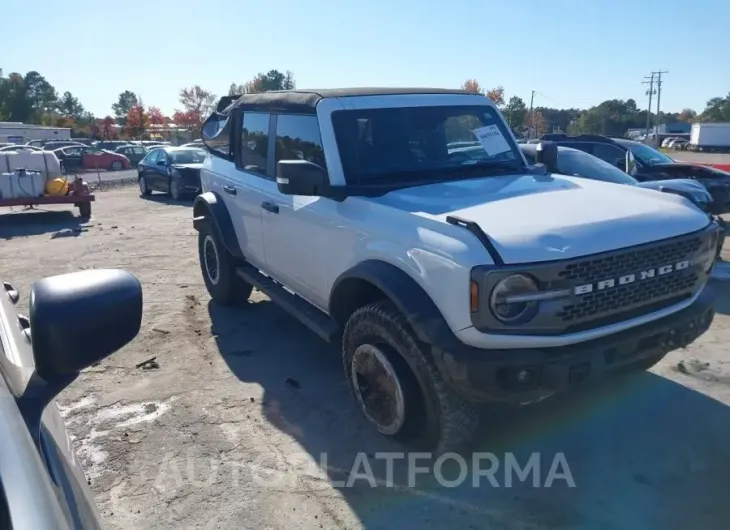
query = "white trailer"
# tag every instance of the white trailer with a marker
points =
(21, 133)
(709, 137)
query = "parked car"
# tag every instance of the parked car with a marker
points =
(679, 145)
(42, 485)
(135, 153)
(76, 158)
(57, 144)
(109, 145)
(651, 164)
(25, 147)
(572, 162)
(446, 282)
(173, 170)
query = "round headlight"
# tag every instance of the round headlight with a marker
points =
(505, 300)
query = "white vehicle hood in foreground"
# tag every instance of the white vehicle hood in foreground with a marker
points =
(544, 218)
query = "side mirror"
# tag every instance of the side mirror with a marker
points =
(301, 177)
(630, 162)
(80, 318)
(161, 163)
(546, 153)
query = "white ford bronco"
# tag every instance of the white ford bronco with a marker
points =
(448, 280)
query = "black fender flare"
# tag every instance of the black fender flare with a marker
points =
(209, 207)
(408, 296)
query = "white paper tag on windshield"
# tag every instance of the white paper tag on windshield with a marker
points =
(492, 140)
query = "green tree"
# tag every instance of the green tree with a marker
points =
(69, 106)
(126, 101)
(40, 94)
(717, 109)
(515, 111)
(266, 82)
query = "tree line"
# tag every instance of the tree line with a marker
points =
(31, 98)
(612, 117)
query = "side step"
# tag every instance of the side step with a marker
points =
(297, 306)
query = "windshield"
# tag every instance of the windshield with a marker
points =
(580, 164)
(648, 155)
(187, 156)
(421, 143)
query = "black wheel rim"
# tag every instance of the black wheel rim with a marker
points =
(210, 259)
(378, 389)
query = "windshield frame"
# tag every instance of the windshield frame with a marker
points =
(425, 174)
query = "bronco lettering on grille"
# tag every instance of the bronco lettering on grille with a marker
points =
(611, 283)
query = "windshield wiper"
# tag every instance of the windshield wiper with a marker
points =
(485, 167)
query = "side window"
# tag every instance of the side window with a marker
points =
(152, 158)
(297, 138)
(138, 151)
(255, 142)
(609, 153)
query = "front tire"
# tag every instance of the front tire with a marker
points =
(175, 189)
(143, 189)
(218, 268)
(398, 387)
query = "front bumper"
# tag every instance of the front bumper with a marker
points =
(525, 375)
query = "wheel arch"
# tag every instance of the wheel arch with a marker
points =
(208, 207)
(373, 280)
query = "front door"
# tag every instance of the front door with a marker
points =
(293, 225)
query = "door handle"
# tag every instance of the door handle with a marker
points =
(270, 207)
(230, 189)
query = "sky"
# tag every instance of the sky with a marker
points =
(573, 53)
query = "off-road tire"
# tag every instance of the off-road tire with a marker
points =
(436, 418)
(226, 287)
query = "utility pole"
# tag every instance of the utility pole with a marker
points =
(532, 117)
(658, 96)
(650, 92)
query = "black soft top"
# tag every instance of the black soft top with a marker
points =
(305, 101)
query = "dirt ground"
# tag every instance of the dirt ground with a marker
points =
(229, 429)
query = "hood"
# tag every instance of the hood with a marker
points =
(533, 218)
(188, 166)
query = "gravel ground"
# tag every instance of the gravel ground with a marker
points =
(226, 432)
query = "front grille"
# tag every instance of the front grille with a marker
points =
(630, 262)
(606, 288)
(603, 307)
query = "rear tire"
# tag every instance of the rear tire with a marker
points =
(398, 387)
(218, 268)
(117, 166)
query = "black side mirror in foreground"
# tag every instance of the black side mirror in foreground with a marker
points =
(300, 177)
(547, 153)
(80, 318)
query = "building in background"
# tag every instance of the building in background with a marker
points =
(15, 132)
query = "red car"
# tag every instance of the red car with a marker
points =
(76, 157)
